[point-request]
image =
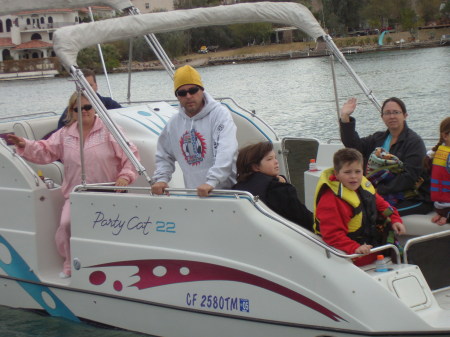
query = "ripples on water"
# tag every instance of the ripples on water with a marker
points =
(21, 323)
(295, 97)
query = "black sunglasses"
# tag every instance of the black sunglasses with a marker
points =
(191, 91)
(86, 107)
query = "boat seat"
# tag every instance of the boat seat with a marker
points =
(420, 224)
(246, 133)
(36, 129)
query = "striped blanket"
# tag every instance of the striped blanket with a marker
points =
(382, 167)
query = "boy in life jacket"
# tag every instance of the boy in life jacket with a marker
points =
(348, 213)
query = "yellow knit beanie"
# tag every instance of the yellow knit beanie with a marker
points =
(186, 75)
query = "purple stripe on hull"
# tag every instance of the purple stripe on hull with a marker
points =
(155, 273)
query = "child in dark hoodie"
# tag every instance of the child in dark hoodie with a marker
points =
(258, 173)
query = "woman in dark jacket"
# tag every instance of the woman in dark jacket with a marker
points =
(258, 173)
(398, 140)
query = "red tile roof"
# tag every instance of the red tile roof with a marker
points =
(100, 8)
(6, 42)
(33, 44)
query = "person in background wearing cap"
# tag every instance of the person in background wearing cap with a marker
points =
(201, 137)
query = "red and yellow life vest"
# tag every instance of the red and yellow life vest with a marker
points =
(440, 175)
(349, 196)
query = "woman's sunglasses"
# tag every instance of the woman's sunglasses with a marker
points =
(86, 107)
(191, 91)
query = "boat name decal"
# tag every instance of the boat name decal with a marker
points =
(117, 224)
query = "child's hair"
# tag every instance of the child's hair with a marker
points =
(395, 100)
(346, 156)
(249, 156)
(444, 128)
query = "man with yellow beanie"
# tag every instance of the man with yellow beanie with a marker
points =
(201, 137)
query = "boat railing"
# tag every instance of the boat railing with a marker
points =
(251, 112)
(21, 160)
(432, 140)
(147, 101)
(28, 116)
(240, 195)
(422, 238)
(220, 99)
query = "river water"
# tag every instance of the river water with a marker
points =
(294, 96)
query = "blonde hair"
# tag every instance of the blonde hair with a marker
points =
(70, 116)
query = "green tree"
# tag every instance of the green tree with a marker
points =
(382, 13)
(409, 21)
(377, 12)
(340, 15)
(429, 10)
(89, 58)
(445, 11)
(186, 4)
(243, 34)
(174, 43)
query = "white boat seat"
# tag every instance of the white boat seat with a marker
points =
(246, 134)
(420, 224)
(36, 129)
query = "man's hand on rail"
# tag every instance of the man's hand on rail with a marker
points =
(159, 187)
(204, 190)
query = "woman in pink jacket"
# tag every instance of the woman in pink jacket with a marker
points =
(104, 160)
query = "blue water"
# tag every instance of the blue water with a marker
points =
(295, 96)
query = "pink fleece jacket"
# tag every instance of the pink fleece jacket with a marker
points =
(104, 160)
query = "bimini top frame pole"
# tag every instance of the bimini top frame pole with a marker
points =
(336, 52)
(156, 47)
(100, 109)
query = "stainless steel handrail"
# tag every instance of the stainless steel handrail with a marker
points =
(21, 160)
(156, 47)
(254, 200)
(220, 99)
(295, 228)
(21, 117)
(335, 50)
(330, 140)
(100, 108)
(422, 238)
(253, 113)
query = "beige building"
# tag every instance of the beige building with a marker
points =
(29, 34)
(148, 6)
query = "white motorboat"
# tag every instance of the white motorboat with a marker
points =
(180, 265)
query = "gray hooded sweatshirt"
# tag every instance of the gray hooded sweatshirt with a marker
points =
(205, 147)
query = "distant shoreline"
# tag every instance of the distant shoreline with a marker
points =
(212, 60)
